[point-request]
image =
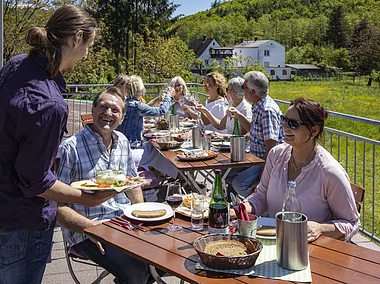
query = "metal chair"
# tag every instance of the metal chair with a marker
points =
(72, 255)
(358, 195)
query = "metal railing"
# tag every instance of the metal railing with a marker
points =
(358, 155)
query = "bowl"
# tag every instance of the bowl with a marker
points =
(228, 262)
(167, 143)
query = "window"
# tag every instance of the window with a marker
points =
(206, 62)
(284, 72)
(241, 51)
(272, 72)
(266, 52)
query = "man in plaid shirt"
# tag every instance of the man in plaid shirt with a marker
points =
(265, 130)
(99, 147)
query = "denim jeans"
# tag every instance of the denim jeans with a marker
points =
(23, 255)
(242, 180)
(125, 268)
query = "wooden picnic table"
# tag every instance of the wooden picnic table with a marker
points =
(331, 261)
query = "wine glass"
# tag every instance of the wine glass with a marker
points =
(174, 199)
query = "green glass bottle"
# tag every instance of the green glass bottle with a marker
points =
(173, 111)
(236, 131)
(218, 209)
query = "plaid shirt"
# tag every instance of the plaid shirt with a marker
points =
(82, 155)
(265, 125)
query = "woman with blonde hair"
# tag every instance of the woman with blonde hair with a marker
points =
(180, 101)
(215, 87)
(133, 123)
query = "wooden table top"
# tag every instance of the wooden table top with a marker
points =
(222, 161)
(331, 261)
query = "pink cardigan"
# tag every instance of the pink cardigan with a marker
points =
(323, 189)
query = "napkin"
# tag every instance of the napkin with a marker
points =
(241, 212)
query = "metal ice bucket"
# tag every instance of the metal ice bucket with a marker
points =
(237, 146)
(196, 136)
(292, 250)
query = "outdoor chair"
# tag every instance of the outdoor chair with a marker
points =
(358, 195)
(72, 255)
(86, 118)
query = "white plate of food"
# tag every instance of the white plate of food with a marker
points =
(268, 229)
(198, 155)
(156, 134)
(186, 124)
(149, 211)
(149, 125)
(185, 207)
(110, 180)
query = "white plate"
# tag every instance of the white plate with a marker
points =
(186, 124)
(149, 206)
(266, 222)
(156, 134)
(209, 132)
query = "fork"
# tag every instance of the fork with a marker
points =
(124, 221)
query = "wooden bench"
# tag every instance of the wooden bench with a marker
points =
(86, 118)
(358, 195)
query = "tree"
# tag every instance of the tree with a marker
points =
(336, 33)
(365, 49)
(124, 21)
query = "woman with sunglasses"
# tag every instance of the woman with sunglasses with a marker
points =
(323, 186)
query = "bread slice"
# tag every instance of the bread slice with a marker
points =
(149, 213)
(226, 248)
(266, 231)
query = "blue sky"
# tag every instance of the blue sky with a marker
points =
(189, 7)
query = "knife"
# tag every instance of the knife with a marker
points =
(122, 220)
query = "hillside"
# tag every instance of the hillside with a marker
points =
(290, 22)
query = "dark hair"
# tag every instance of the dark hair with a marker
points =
(112, 91)
(311, 114)
(63, 23)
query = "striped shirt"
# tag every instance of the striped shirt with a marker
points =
(82, 155)
(265, 125)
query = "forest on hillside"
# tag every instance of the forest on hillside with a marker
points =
(142, 36)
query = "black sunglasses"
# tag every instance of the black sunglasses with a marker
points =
(292, 123)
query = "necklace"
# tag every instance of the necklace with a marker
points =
(308, 160)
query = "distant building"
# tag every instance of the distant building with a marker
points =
(207, 49)
(304, 69)
(268, 53)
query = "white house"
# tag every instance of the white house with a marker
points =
(208, 50)
(268, 53)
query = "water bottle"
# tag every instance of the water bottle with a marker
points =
(218, 209)
(291, 208)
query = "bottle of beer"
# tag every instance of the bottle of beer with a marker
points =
(236, 131)
(218, 209)
(291, 208)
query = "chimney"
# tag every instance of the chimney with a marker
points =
(204, 38)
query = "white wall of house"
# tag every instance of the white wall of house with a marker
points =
(269, 54)
(205, 56)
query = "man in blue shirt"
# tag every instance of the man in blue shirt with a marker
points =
(33, 117)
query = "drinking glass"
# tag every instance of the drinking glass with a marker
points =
(174, 199)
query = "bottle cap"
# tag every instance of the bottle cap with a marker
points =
(218, 171)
